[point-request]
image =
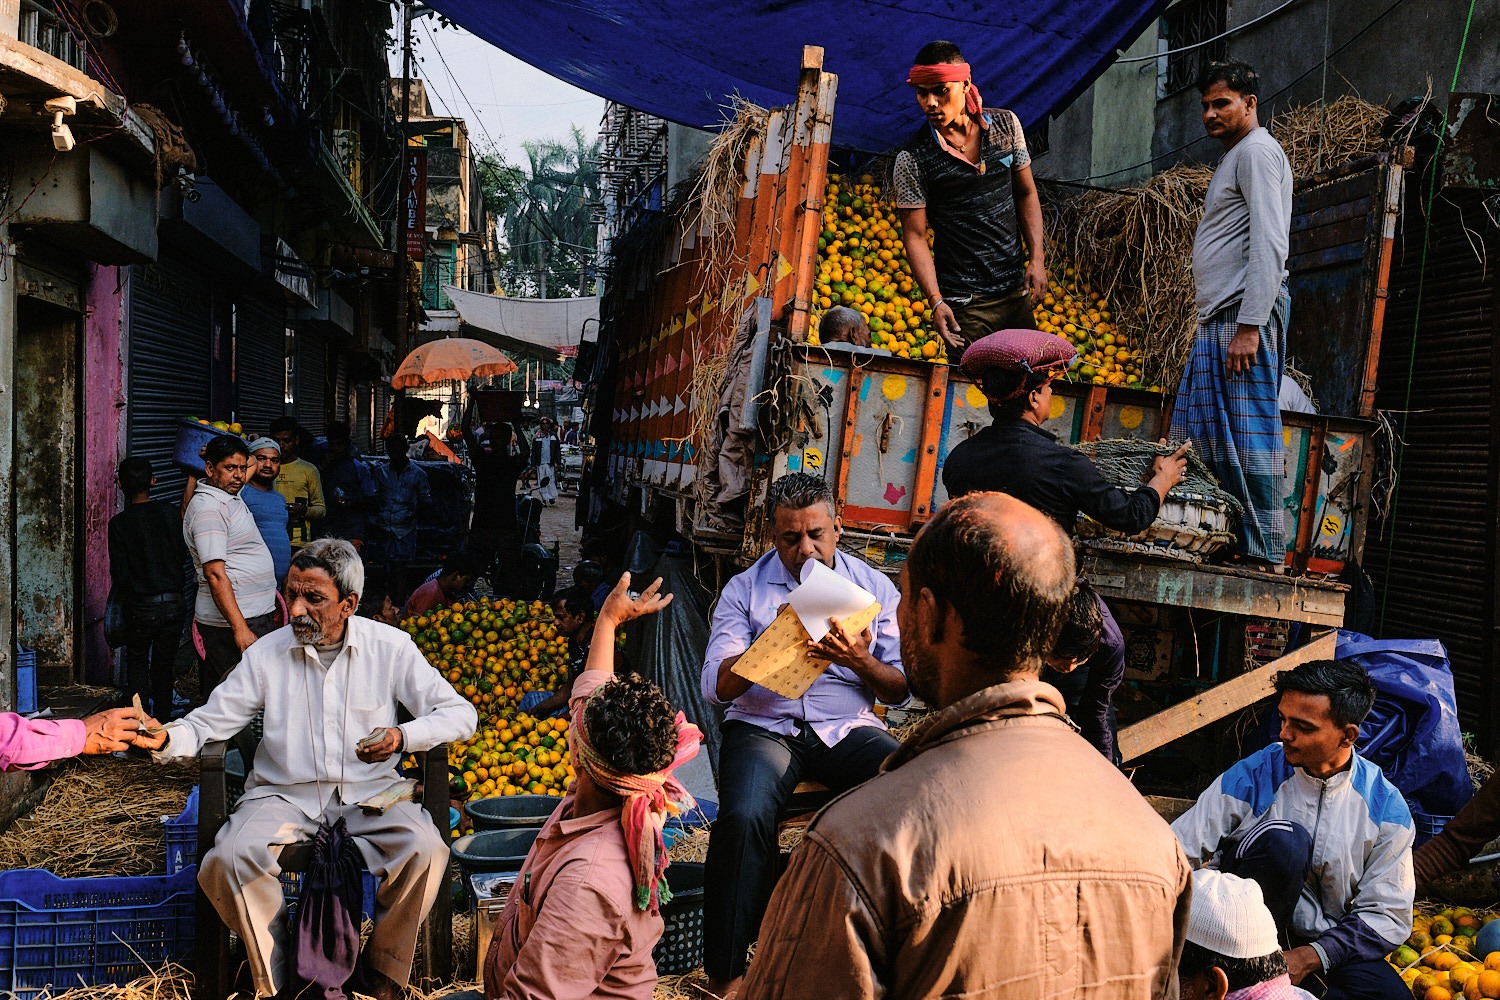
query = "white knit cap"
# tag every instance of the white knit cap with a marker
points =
(1229, 916)
(262, 443)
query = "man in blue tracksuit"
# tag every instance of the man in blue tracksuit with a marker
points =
(1324, 833)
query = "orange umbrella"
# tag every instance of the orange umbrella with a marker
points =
(451, 358)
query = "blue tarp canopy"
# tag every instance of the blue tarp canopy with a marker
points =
(681, 61)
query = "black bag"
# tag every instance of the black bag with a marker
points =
(116, 626)
(326, 939)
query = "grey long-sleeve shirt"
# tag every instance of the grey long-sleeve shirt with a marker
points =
(1239, 254)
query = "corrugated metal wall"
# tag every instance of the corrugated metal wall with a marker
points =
(1433, 559)
(169, 372)
(312, 378)
(260, 363)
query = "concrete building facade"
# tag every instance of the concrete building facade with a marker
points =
(1142, 116)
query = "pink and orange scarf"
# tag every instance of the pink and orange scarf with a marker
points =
(650, 799)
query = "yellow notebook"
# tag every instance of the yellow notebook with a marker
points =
(778, 659)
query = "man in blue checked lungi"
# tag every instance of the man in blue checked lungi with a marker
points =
(1227, 401)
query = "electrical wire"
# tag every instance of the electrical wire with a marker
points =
(1207, 41)
(530, 207)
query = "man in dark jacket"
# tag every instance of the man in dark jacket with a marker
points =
(498, 463)
(1015, 455)
(348, 489)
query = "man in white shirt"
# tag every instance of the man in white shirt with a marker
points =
(325, 681)
(236, 575)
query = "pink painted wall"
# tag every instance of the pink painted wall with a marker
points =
(103, 403)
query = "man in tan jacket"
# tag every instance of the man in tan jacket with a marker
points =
(997, 854)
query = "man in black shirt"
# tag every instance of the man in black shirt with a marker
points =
(966, 175)
(146, 568)
(1016, 455)
(498, 463)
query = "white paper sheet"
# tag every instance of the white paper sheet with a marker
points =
(824, 595)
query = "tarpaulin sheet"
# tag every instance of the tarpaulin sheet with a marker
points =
(514, 323)
(673, 642)
(1412, 732)
(682, 61)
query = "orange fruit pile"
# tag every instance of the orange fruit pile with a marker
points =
(1072, 309)
(1439, 961)
(494, 652)
(862, 264)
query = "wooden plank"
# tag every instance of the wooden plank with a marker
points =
(1093, 414)
(1217, 702)
(850, 439)
(1215, 588)
(1312, 475)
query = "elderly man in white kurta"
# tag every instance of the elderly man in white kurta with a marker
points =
(325, 681)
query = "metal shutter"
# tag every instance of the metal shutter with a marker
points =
(260, 363)
(312, 379)
(341, 388)
(169, 366)
(1432, 560)
(364, 404)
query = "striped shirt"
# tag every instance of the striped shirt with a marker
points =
(219, 527)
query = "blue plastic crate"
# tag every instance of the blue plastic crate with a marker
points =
(1428, 826)
(182, 836)
(65, 932)
(25, 680)
(182, 853)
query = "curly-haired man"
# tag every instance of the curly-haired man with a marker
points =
(584, 915)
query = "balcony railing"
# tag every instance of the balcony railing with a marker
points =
(42, 28)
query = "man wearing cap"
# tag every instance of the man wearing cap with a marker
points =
(1015, 454)
(267, 504)
(967, 174)
(1231, 951)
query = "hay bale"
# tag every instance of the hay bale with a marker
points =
(1135, 247)
(101, 817)
(170, 982)
(1317, 137)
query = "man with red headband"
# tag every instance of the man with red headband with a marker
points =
(1016, 455)
(967, 174)
(585, 911)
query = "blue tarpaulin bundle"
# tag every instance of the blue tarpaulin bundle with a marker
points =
(682, 61)
(1412, 733)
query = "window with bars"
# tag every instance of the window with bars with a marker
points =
(42, 28)
(1189, 23)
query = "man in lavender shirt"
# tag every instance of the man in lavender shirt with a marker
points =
(771, 743)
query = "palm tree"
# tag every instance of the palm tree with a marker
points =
(549, 219)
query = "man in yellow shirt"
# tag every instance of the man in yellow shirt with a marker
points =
(298, 482)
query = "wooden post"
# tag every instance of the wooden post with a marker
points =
(1217, 702)
(927, 454)
(1312, 475)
